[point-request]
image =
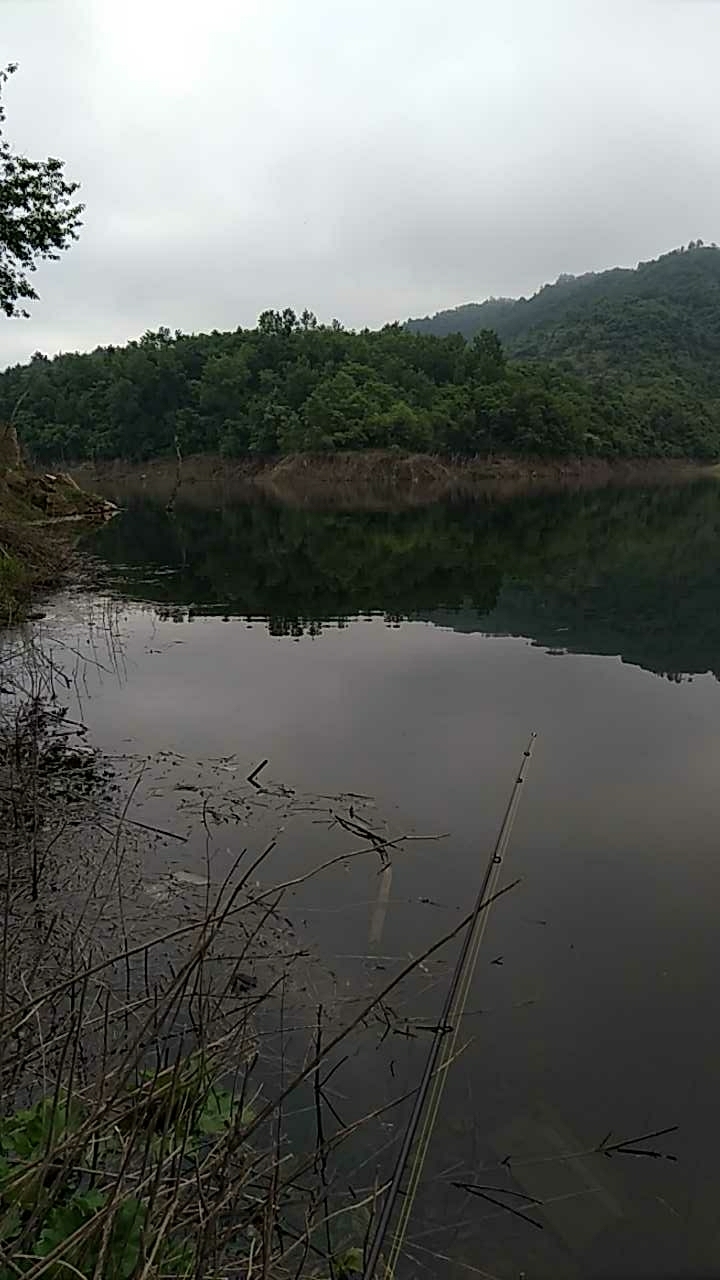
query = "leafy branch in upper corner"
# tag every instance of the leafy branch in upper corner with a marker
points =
(38, 218)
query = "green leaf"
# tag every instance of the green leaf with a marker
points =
(349, 1262)
(217, 1112)
(62, 1222)
(10, 1223)
(125, 1240)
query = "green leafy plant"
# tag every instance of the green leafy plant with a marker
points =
(76, 1215)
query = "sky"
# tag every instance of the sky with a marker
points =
(368, 159)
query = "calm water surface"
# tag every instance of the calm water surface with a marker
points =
(407, 655)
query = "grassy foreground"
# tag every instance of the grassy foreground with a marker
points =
(166, 1043)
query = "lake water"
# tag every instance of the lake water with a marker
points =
(406, 656)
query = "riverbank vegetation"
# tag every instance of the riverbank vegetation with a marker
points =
(292, 385)
(28, 558)
(648, 338)
(38, 220)
(37, 514)
(168, 1038)
(622, 364)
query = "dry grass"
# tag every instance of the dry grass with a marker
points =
(370, 479)
(35, 545)
(29, 561)
(157, 1119)
(146, 1082)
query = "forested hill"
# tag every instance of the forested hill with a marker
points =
(623, 363)
(292, 385)
(675, 297)
(650, 335)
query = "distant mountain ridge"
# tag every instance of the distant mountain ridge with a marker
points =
(572, 296)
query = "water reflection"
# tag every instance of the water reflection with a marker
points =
(634, 572)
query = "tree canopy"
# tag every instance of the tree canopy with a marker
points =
(38, 218)
(626, 363)
(647, 338)
(293, 385)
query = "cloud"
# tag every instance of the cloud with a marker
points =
(367, 160)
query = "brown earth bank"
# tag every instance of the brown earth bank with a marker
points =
(373, 478)
(37, 515)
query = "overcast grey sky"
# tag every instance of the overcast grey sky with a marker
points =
(369, 159)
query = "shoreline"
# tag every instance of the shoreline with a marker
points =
(377, 477)
(32, 503)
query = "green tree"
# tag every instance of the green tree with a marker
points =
(402, 427)
(271, 422)
(295, 385)
(489, 357)
(38, 218)
(336, 414)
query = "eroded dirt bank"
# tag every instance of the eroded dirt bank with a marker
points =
(375, 478)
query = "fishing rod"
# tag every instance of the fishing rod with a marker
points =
(450, 1020)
